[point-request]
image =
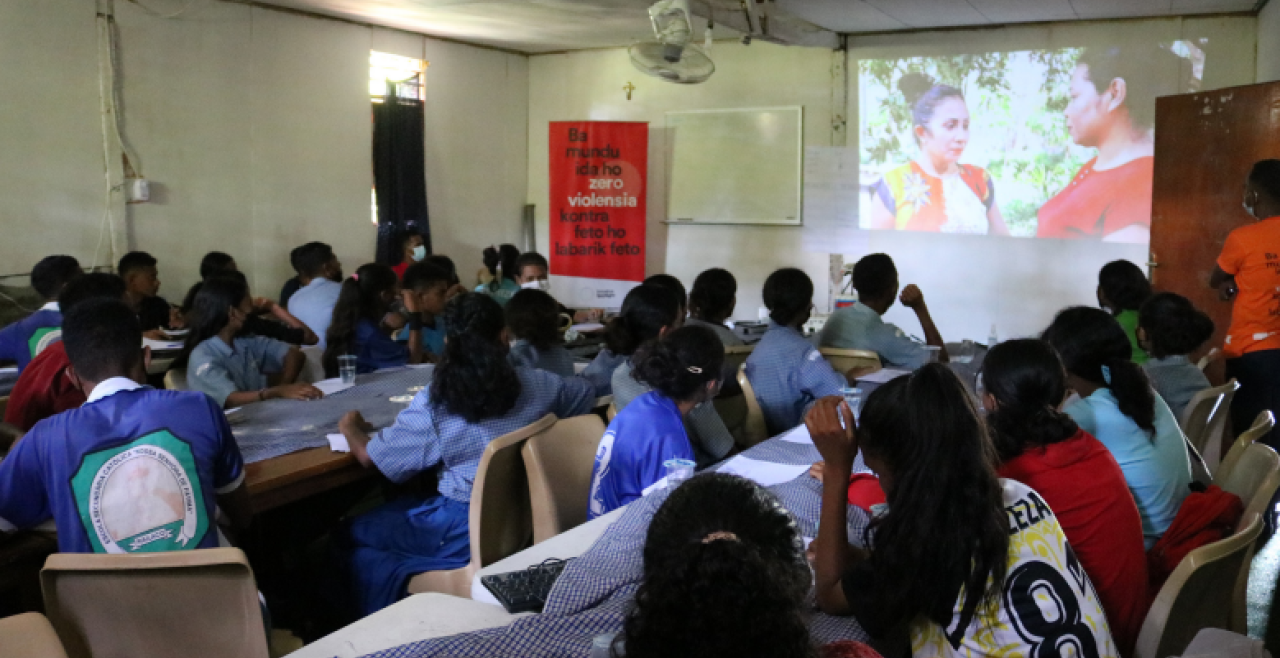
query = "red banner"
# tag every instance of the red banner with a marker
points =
(598, 175)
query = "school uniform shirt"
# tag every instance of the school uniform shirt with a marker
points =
(555, 359)
(1129, 322)
(1177, 380)
(501, 292)
(153, 313)
(135, 470)
(376, 350)
(858, 327)
(313, 305)
(1085, 488)
(287, 291)
(706, 430)
(724, 333)
(788, 374)
(1251, 254)
(218, 369)
(1156, 469)
(43, 389)
(21, 341)
(600, 371)
(630, 457)
(1047, 602)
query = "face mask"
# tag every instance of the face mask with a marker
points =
(537, 284)
(419, 252)
(1248, 207)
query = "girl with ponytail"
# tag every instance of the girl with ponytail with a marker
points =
(475, 396)
(499, 281)
(357, 327)
(1044, 449)
(1118, 407)
(683, 371)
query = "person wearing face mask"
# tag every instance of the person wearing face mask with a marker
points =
(532, 274)
(357, 327)
(682, 370)
(1111, 109)
(1248, 274)
(935, 192)
(413, 249)
(231, 366)
(320, 274)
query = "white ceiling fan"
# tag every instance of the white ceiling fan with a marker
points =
(671, 56)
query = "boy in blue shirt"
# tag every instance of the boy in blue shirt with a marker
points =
(860, 327)
(133, 470)
(21, 341)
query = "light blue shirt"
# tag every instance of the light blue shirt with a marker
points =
(218, 370)
(313, 305)
(858, 327)
(788, 374)
(1157, 471)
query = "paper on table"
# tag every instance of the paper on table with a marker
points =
(883, 376)
(797, 435)
(165, 345)
(765, 474)
(587, 327)
(338, 443)
(331, 386)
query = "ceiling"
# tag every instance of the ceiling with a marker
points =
(540, 26)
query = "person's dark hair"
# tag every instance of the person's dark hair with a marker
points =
(504, 256)
(134, 260)
(313, 258)
(788, 293)
(474, 379)
(1134, 63)
(1029, 382)
(946, 528)
(1124, 284)
(445, 263)
(421, 276)
(1094, 347)
(530, 259)
(404, 238)
(52, 274)
(680, 364)
(95, 285)
(294, 258)
(1266, 175)
(533, 315)
(924, 96)
(645, 311)
(724, 576)
(714, 294)
(359, 299)
(216, 262)
(1173, 325)
(211, 307)
(672, 285)
(103, 338)
(875, 276)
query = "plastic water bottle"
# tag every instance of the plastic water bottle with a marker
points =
(992, 338)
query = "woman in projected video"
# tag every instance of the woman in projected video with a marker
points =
(1112, 109)
(934, 192)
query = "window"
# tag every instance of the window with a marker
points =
(393, 74)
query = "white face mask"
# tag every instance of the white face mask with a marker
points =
(537, 284)
(419, 252)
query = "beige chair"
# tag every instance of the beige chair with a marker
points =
(611, 412)
(843, 360)
(313, 371)
(1200, 593)
(189, 604)
(1208, 358)
(1254, 478)
(1261, 426)
(754, 429)
(559, 464)
(176, 380)
(501, 522)
(736, 355)
(29, 636)
(1205, 420)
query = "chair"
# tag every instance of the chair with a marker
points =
(176, 380)
(1208, 358)
(1254, 478)
(736, 355)
(500, 520)
(191, 604)
(29, 636)
(1261, 426)
(611, 412)
(1205, 419)
(754, 429)
(313, 371)
(559, 463)
(844, 360)
(1200, 593)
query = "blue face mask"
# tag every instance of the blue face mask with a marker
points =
(419, 252)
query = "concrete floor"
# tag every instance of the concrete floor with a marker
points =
(1264, 576)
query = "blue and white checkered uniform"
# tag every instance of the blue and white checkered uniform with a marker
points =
(600, 371)
(555, 359)
(788, 374)
(858, 327)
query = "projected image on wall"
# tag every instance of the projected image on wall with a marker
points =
(1036, 143)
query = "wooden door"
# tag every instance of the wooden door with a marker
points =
(1205, 144)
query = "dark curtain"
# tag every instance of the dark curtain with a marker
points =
(399, 173)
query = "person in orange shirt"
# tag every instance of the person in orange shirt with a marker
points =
(1248, 272)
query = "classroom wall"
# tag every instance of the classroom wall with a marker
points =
(1269, 42)
(254, 128)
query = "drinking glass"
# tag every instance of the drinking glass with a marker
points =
(347, 368)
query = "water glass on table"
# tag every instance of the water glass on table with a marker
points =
(678, 470)
(347, 368)
(853, 398)
(966, 352)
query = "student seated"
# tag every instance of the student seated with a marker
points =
(1118, 407)
(600, 371)
(46, 386)
(860, 327)
(133, 470)
(413, 249)
(1122, 288)
(966, 563)
(683, 371)
(1169, 329)
(533, 320)
(320, 276)
(142, 288)
(217, 262)
(474, 397)
(785, 370)
(532, 272)
(292, 285)
(711, 304)
(357, 327)
(230, 366)
(432, 287)
(648, 313)
(21, 341)
(1044, 449)
(284, 327)
(501, 268)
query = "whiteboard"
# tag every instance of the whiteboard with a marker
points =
(738, 166)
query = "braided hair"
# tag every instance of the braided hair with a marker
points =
(474, 379)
